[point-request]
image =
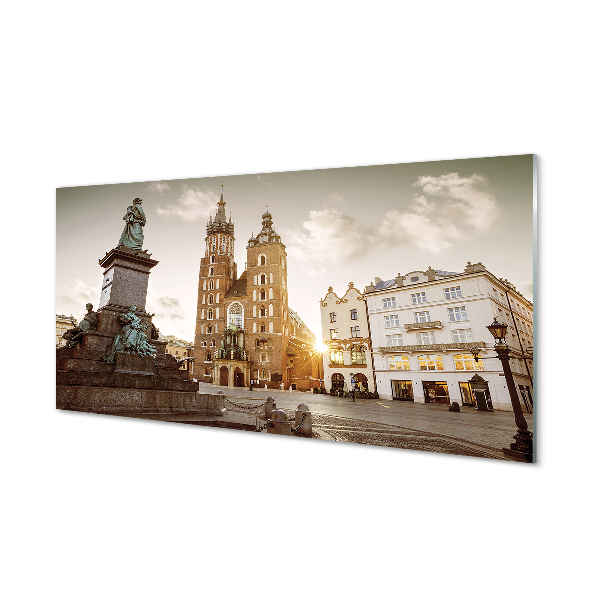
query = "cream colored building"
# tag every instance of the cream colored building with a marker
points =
(63, 324)
(423, 325)
(178, 348)
(345, 331)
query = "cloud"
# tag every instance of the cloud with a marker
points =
(450, 208)
(170, 316)
(77, 296)
(465, 194)
(160, 187)
(193, 204)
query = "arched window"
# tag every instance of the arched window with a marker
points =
(263, 311)
(398, 363)
(269, 343)
(359, 356)
(212, 343)
(429, 362)
(211, 285)
(466, 362)
(263, 279)
(211, 272)
(210, 314)
(263, 295)
(212, 258)
(204, 343)
(208, 356)
(361, 381)
(258, 343)
(209, 329)
(213, 246)
(262, 259)
(235, 315)
(211, 299)
(263, 328)
(337, 381)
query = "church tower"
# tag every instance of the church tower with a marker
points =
(218, 271)
(267, 314)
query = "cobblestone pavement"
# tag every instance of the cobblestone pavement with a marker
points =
(392, 423)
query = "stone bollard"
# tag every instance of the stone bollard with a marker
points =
(290, 388)
(269, 406)
(306, 428)
(278, 423)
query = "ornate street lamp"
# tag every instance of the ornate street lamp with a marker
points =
(522, 448)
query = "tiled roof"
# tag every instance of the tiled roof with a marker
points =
(239, 287)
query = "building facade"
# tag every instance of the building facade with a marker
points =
(245, 330)
(345, 330)
(423, 325)
(63, 324)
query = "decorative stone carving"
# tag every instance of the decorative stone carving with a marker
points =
(427, 325)
(131, 338)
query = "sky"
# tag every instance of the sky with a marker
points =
(338, 225)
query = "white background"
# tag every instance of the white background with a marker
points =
(101, 507)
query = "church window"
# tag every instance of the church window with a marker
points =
(269, 343)
(263, 311)
(258, 343)
(262, 259)
(210, 301)
(208, 356)
(212, 343)
(209, 330)
(212, 259)
(211, 271)
(263, 328)
(223, 245)
(210, 312)
(263, 295)
(263, 358)
(235, 314)
(263, 279)
(213, 246)
(204, 343)
(211, 285)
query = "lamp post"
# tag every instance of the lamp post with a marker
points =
(522, 447)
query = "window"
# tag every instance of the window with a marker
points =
(389, 302)
(209, 329)
(263, 311)
(425, 337)
(414, 279)
(235, 314)
(465, 362)
(398, 363)
(431, 363)
(336, 357)
(263, 357)
(462, 335)
(263, 279)
(334, 334)
(418, 298)
(210, 298)
(394, 339)
(458, 314)
(212, 259)
(211, 285)
(453, 292)
(332, 317)
(204, 343)
(258, 343)
(210, 314)
(208, 357)
(211, 272)
(263, 260)
(392, 321)
(263, 328)
(355, 331)
(354, 314)
(212, 343)
(422, 317)
(263, 295)
(359, 356)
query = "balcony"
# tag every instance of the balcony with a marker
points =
(425, 347)
(426, 325)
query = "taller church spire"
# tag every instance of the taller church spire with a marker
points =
(220, 224)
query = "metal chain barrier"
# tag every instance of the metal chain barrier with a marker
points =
(295, 429)
(242, 407)
(263, 427)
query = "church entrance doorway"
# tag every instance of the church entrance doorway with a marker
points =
(224, 376)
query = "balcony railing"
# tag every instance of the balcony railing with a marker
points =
(422, 347)
(426, 325)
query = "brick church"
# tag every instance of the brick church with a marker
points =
(245, 329)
